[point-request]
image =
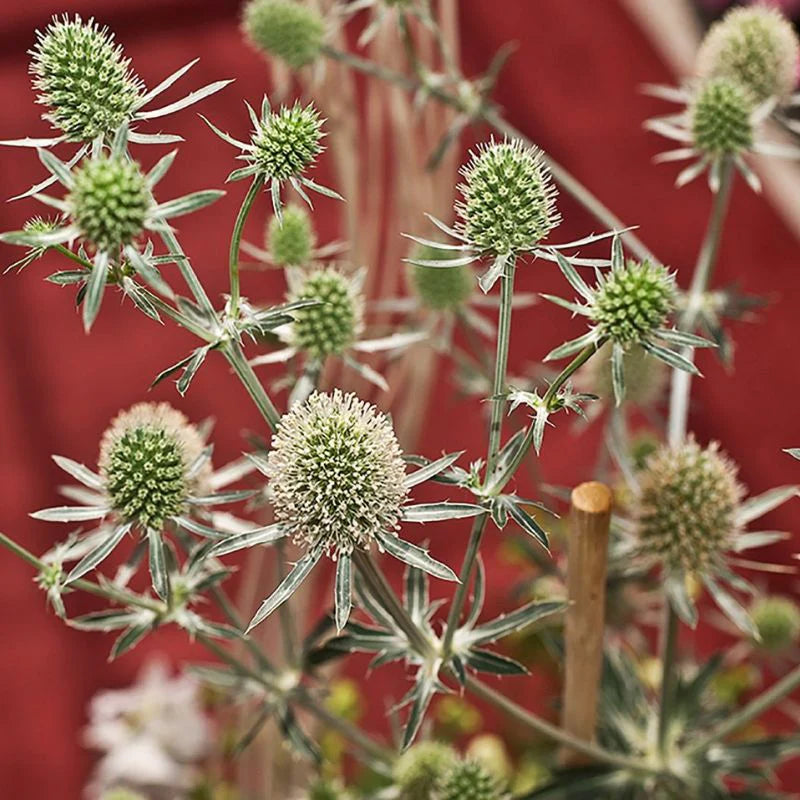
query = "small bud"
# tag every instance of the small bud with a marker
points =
(720, 114)
(440, 288)
(508, 201)
(109, 201)
(83, 78)
(288, 141)
(645, 377)
(292, 240)
(469, 780)
(419, 770)
(757, 47)
(777, 620)
(489, 750)
(285, 29)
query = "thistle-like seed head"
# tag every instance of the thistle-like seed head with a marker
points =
(145, 458)
(285, 29)
(645, 376)
(721, 122)
(83, 78)
(756, 47)
(332, 325)
(336, 473)
(469, 780)
(508, 203)
(777, 620)
(439, 288)
(109, 201)
(288, 142)
(419, 770)
(292, 240)
(633, 301)
(687, 508)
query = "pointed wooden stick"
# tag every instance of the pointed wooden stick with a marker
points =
(587, 552)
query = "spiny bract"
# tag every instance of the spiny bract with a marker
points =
(285, 29)
(469, 780)
(755, 46)
(633, 302)
(440, 288)
(109, 201)
(83, 78)
(687, 509)
(419, 770)
(777, 620)
(721, 122)
(288, 142)
(336, 473)
(291, 240)
(145, 457)
(508, 203)
(332, 325)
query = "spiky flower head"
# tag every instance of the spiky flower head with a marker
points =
(288, 141)
(755, 46)
(332, 325)
(440, 288)
(285, 29)
(687, 508)
(645, 376)
(633, 301)
(336, 473)
(777, 620)
(508, 199)
(83, 78)
(720, 116)
(291, 239)
(145, 460)
(109, 201)
(419, 770)
(469, 780)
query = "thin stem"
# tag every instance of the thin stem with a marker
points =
(233, 352)
(187, 273)
(236, 241)
(285, 614)
(669, 634)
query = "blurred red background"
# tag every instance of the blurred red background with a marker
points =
(572, 86)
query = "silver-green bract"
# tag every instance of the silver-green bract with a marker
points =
(286, 29)
(628, 306)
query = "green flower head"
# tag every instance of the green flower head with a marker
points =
(508, 199)
(777, 620)
(469, 780)
(755, 46)
(440, 288)
(109, 201)
(291, 240)
(285, 29)
(419, 770)
(145, 460)
(633, 302)
(721, 118)
(83, 78)
(287, 141)
(336, 473)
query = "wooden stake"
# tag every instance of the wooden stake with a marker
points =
(587, 553)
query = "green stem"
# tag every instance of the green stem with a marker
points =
(236, 241)
(669, 645)
(285, 614)
(187, 273)
(233, 352)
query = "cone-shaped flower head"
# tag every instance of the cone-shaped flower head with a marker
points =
(291, 240)
(721, 118)
(83, 78)
(285, 29)
(145, 460)
(777, 620)
(508, 199)
(332, 325)
(109, 201)
(469, 780)
(288, 141)
(336, 473)
(440, 289)
(755, 46)
(687, 509)
(633, 302)
(419, 770)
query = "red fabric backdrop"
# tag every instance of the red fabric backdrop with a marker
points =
(572, 86)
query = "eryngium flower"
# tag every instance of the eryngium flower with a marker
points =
(721, 118)
(419, 770)
(335, 323)
(440, 289)
(755, 46)
(336, 473)
(288, 141)
(109, 201)
(777, 620)
(687, 510)
(83, 78)
(145, 458)
(291, 240)
(285, 29)
(508, 203)
(469, 780)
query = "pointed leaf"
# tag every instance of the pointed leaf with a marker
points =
(100, 553)
(343, 592)
(415, 556)
(432, 512)
(429, 470)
